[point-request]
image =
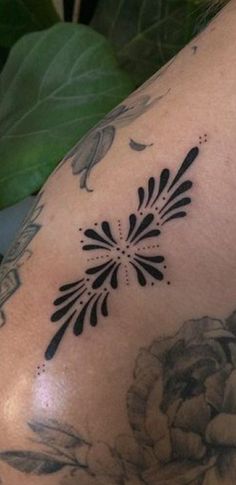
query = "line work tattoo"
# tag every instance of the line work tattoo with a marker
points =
(138, 147)
(19, 252)
(181, 410)
(97, 143)
(121, 249)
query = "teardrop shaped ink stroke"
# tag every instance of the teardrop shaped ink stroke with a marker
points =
(86, 299)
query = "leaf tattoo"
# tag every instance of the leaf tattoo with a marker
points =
(181, 414)
(138, 147)
(51, 432)
(59, 439)
(32, 462)
(121, 254)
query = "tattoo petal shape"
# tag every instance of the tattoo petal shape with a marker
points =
(121, 254)
(95, 145)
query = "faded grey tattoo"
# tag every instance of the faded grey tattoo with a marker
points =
(10, 279)
(123, 251)
(96, 144)
(181, 410)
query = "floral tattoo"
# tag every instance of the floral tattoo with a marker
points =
(93, 148)
(123, 251)
(181, 410)
(10, 279)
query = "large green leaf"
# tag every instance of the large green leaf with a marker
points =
(3, 56)
(147, 33)
(18, 17)
(55, 86)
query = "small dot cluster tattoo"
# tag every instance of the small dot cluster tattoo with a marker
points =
(126, 275)
(203, 139)
(120, 230)
(144, 248)
(41, 369)
(132, 252)
(98, 257)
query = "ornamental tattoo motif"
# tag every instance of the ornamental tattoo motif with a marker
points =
(10, 279)
(122, 248)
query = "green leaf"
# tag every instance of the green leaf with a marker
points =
(55, 86)
(3, 56)
(147, 33)
(18, 17)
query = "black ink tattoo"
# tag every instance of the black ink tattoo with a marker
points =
(138, 147)
(41, 369)
(181, 410)
(194, 49)
(96, 144)
(119, 249)
(10, 279)
(60, 442)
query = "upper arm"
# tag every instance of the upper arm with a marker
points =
(110, 370)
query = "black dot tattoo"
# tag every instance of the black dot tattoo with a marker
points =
(203, 139)
(126, 275)
(41, 369)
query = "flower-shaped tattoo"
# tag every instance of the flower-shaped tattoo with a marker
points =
(19, 252)
(181, 410)
(122, 250)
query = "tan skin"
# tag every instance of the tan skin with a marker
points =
(86, 383)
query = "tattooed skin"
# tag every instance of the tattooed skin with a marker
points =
(123, 252)
(138, 147)
(10, 280)
(96, 144)
(181, 410)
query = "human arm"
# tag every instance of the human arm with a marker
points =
(87, 380)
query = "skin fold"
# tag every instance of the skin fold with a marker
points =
(137, 396)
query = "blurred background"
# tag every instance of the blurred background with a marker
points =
(64, 64)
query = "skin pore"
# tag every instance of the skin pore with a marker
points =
(122, 371)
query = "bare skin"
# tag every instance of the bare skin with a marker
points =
(84, 381)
